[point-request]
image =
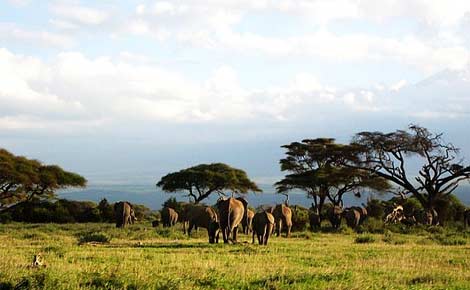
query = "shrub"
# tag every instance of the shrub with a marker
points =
(449, 240)
(345, 230)
(5, 218)
(97, 237)
(300, 218)
(106, 211)
(390, 238)
(375, 208)
(364, 239)
(373, 225)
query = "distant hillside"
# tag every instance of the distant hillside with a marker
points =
(153, 198)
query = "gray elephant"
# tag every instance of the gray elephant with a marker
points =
(123, 213)
(132, 218)
(231, 213)
(282, 217)
(363, 213)
(334, 215)
(432, 217)
(352, 216)
(204, 217)
(263, 225)
(183, 214)
(169, 217)
(314, 219)
(248, 221)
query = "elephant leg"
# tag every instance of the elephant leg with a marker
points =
(288, 231)
(253, 237)
(265, 233)
(268, 232)
(235, 232)
(224, 234)
(279, 228)
(190, 228)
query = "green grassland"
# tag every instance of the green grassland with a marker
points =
(141, 257)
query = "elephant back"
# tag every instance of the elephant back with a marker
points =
(352, 216)
(230, 210)
(201, 215)
(269, 218)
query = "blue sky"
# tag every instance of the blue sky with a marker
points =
(129, 90)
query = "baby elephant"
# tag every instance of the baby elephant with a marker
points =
(263, 225)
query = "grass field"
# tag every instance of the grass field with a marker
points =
(141, 257)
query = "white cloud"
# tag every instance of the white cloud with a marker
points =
(77, 92)
(12, 32)
(213, 25)
(79, 14)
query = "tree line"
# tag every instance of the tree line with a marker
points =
(326, 171)
(322, 168)
(68, 211)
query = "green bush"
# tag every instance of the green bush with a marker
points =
(373, 225)
(300, 218)
(345, 230)
(5, 218)
(364, 239)
(97, 237)
(391, 238)
(449, 240)
(375, 208)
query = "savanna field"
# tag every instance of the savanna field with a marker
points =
(99, 256)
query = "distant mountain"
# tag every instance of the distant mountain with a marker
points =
(153, 198)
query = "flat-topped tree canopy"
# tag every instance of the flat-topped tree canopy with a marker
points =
(315, 167)
(22, 179)
(202, 180)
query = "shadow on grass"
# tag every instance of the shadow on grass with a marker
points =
(175, 245)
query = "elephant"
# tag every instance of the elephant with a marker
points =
(231, 213)
(352, 216)
(123, 213)
(263, 224)
(282, 216)
(248, 222)
(155, 223)
(363, 211)
(183, 214)
(432, 217)
(204, 217)
(334, 215)
(132, 218)
(466, 218)
(315, 219)
(169, 217)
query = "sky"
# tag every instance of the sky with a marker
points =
(126, 91)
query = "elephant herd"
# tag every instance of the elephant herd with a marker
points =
(230, 213)
(354, 216)
(225, 217)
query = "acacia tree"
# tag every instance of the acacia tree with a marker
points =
(202, 180)
(22, 179)
(387, 155)
(315, 169)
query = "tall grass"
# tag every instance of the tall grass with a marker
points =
(141, 257)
